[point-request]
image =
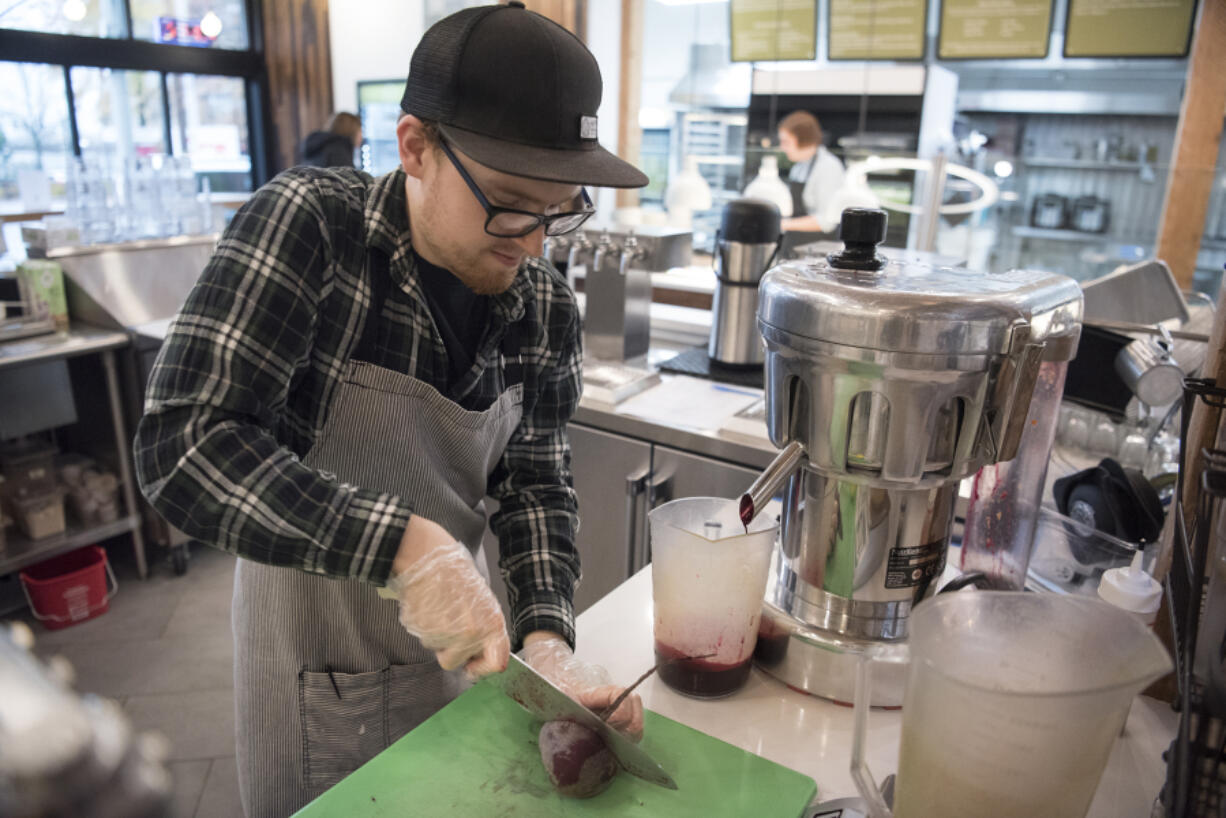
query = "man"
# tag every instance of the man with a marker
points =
(815, 176)
(361, 362)
(333, 147)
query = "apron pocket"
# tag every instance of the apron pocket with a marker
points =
(416, 692)
(341, 734)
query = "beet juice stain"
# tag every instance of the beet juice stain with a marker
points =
(700, 677)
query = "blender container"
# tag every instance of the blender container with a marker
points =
(708, 577)
(1005, 497)
(1013, 703)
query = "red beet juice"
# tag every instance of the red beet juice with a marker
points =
(700, 678)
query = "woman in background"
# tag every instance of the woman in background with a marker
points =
(815, 176)
(334, 146)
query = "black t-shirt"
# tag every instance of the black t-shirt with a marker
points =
(460, 315)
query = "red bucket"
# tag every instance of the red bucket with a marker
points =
(70, 588)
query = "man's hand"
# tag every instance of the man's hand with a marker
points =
(588, 684)
(446, 603)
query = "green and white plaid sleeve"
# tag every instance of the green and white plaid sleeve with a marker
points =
(537, 518)
(205, 450)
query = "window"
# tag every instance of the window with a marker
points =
(208, 124)
(204, 23)
(119, 115)
(34, 129)
(85, 18)
(124, 87)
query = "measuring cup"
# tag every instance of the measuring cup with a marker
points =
(708, 577)
(1013, 703)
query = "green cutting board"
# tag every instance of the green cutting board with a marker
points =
(478, 757)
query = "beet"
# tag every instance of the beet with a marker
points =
(576, 758)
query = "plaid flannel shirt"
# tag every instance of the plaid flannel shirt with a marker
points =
(242, 386)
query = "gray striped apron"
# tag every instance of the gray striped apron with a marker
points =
(325, 677)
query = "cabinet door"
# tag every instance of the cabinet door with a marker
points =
(604, 465)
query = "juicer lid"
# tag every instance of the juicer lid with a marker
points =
(909, 306)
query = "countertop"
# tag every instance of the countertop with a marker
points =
(813, 736)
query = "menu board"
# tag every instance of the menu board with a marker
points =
(994, 29)
(877, 29)
(774, 30)
(1128, 28)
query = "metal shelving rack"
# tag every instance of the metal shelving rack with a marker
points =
(79, 341)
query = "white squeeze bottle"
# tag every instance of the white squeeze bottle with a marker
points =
(1133, 590)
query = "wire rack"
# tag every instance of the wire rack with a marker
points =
(1196, 587)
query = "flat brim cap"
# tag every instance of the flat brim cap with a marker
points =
(591, 166)
(517, 93)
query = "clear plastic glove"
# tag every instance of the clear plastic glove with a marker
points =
(449, 606)
(588, 684)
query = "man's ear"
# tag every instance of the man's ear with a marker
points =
(414, 145)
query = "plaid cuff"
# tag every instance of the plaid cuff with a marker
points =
(543, 611)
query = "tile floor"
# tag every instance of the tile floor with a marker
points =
(164, 652)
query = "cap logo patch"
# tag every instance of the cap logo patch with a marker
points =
(587, 127)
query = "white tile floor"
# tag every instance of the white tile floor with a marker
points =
(164, 651)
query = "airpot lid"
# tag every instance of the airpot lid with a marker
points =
(912, 307)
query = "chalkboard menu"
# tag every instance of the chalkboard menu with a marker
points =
(774, 30)
(994, 29)
(1128, 28)
(877, 29)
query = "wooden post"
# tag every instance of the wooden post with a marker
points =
(1196, 145)
(570, 14)
(299, 62)
(629, 134)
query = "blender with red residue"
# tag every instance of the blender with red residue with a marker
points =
(708, 579)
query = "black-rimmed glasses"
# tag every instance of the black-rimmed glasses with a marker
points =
(508, 223)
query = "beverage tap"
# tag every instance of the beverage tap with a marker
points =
(578, 244)
(604, 248)
(551, 244)
(631, 252)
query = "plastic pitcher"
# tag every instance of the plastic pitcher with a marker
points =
(1013, 703)
(708, 579)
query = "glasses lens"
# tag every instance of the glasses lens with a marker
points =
(565, 224)
(510, 225)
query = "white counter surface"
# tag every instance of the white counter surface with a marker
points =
(813, 736)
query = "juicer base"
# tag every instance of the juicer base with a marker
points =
(820, 662)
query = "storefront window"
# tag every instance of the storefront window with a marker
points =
(204, 23)
(208, 124)
(85, 18)
(34, 131)
(119, 115)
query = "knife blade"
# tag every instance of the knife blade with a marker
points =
(541, 698)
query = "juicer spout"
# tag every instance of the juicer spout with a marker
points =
(756, 497)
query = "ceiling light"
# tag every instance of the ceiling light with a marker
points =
(210, 25)
(74, 10)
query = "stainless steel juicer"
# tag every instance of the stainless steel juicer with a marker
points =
(887, 382)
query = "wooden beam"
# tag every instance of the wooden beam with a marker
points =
(299, 62)
(567, 13)
(629, 134)
(1196, 145)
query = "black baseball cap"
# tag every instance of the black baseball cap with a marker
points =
(516, 92)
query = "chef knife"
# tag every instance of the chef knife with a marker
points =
(538, 696)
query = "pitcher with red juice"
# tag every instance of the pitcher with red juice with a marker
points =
(708, 579)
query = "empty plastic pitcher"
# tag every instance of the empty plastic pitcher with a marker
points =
(1013, 703)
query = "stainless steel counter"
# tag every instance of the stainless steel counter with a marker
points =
(714, 445)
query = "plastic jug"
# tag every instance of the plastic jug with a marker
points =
(1013, 703)
(708, 579)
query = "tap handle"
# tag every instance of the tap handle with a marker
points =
(577, 245)
(631, 252)
(604, 248)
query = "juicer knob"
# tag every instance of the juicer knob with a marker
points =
(862, 229)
